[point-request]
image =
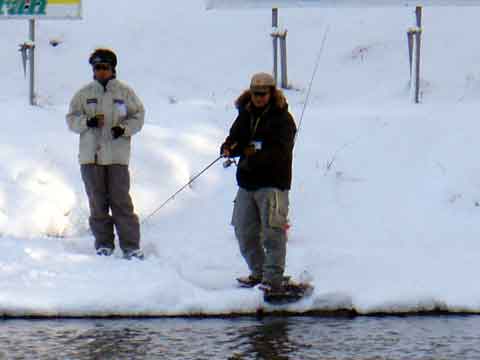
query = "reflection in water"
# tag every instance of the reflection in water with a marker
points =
(272, 338)
(268, 339)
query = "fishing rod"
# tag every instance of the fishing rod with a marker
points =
(314, 73)
(181, 189)
(226, 164)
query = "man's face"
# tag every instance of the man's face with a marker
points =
(103, 71)
(261, 97)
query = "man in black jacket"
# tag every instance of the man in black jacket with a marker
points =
(263, 136)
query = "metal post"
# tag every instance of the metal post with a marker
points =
(418, 16)
(275, 42)
(418, 43)
(410, 35)
(32, 61)
(283, 58)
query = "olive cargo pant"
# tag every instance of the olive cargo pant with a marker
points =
(260, 221)
(107, 188)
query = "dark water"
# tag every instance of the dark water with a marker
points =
(361, 338)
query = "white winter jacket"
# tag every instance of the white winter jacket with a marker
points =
(120, 106)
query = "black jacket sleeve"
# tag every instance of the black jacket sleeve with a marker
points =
(239, 135)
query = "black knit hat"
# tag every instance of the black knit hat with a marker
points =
(103, 56)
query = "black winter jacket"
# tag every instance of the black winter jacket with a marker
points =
(271, 166)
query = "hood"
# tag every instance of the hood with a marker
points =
(278, 100)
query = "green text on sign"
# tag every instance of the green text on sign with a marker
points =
(23, 7)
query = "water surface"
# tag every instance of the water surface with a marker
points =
(360, 338)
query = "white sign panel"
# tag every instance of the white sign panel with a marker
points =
(270, 4)
(40, 9)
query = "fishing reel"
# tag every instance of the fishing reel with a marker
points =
(230, 160)
(227, 163)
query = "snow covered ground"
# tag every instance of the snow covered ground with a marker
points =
(386, 194)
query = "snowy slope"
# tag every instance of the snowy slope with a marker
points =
(385, 199)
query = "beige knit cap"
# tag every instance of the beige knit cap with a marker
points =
(262, 81)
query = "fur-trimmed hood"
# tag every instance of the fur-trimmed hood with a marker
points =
(279, 101)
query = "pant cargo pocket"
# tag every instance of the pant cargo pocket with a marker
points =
(278, 210)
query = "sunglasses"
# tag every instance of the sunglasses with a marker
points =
(260, 93)
(100, 67)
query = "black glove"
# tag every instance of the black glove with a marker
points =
(117, 131)
(95, 122)
(225, 149)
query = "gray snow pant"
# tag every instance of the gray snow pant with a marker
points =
(260, 222)
(107, 188)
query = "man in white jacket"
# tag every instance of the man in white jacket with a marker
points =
(106, 114)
